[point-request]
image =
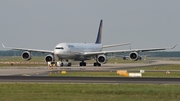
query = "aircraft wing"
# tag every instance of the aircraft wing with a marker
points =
(123, 51)
(26, 49)
(115, 45)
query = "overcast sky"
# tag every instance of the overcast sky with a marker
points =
(41, 24)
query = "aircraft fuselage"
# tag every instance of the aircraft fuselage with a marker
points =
(75, 50)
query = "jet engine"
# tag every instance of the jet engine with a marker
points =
(102, 59)
(26, 55)
(135, 56)
(49, 58)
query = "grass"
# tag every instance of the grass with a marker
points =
(160, 67)
(86, 74)
(161, 74)
(88, 92)
(92, 92)
(13, 61)
(114, 74)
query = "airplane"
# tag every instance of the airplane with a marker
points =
(83, 51)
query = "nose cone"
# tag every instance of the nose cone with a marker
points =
(57, 52)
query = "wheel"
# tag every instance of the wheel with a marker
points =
(69, 64)
(84, 63)
(80, 64)
(62, 64)
(99, 64)
(95, 63)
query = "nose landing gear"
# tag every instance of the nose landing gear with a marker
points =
(59, 63)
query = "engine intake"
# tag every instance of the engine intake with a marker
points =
(49, 58)
(134, 56)
(102, 59)
(26, 55)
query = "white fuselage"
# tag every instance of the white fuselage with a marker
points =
(75, 50)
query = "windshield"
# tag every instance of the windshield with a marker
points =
(59, 48)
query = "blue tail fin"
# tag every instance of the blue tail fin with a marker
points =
(98, 40)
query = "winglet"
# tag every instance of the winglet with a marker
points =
(174, 46)
(3, 45)
(98, 40)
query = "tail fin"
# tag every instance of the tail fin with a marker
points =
(98, 40)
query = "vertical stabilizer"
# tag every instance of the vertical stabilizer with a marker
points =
(98, 40)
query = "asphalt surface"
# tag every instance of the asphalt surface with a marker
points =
(116, 80)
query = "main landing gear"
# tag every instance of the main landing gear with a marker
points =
(97, 64)
(61, 63)
(65, 64)
(82, 63)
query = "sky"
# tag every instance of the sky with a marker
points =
(42, 24)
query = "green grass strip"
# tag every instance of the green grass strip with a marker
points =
(88, 92)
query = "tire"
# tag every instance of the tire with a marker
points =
(62, 64)
(95, 63)
(80, 64)
(84, 64)
(99, 64)
(69, 64)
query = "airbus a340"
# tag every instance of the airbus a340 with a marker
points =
(83, 51)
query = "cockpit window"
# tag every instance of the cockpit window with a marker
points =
(59, 48)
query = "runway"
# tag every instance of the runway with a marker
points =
(44, 71)
(102, 80)
(40, 74)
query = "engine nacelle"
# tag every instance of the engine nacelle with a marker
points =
(49, 58)
(26, 55)
(102, 59)
(134, 56)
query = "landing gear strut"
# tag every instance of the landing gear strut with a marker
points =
(82, 63)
